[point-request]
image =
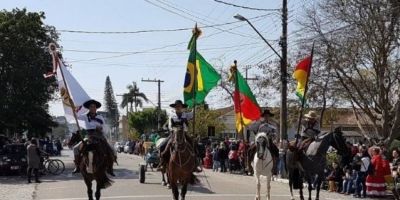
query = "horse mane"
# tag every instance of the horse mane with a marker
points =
(261, 134)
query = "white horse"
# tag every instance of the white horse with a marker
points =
(262, 163)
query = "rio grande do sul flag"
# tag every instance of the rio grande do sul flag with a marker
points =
(76, 96)
(301, 74)
(247, 109)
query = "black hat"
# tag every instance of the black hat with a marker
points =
(178, 102)
(267, 112)
(90, 102)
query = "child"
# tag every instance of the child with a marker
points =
(216, 160)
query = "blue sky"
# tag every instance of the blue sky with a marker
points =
(220, 45)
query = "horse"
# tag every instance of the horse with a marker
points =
(97, 170)
(181, 163)
(262, 163)
(311, 164)
(159, 143)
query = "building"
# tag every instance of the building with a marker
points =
(337, 117)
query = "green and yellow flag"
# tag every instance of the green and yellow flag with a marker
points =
(200, 76)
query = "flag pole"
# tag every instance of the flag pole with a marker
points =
(56, 62)
(195, 32)
(303, 101)
(237, 91)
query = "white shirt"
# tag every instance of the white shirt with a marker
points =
(364, 164)
(92, 123)
(183, 119)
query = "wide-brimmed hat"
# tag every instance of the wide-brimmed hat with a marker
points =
(90, 102)
(267, 112)
(178, 102)
(311, 115)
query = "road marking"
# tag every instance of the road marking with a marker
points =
(168, 196)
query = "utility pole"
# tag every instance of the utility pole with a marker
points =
(159, 100)
(246, 68)
(283, 44)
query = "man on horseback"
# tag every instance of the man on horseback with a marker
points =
(179, 118)
(94, 130)
(310, 129)
(264, 125)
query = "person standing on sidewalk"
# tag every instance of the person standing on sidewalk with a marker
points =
(33, 155)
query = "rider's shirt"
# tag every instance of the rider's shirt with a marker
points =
(310, 129)
(92, 122)
(181, 119)
(263, 126)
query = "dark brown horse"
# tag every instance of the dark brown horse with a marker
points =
(181, 164)
(100, 161)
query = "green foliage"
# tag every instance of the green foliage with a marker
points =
(24, 59)
(133, 96)
(110, 104)
(332, 157)
(146, 120)
(206, 118)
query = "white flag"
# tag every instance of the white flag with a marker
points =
(77, 95)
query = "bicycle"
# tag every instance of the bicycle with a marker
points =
(53, 166)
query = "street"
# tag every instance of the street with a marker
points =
(214, 185)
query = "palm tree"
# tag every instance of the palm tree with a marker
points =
(133, 96)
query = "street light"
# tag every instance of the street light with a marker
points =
(241, 18)
(283, 61)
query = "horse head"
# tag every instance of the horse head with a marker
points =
(339, 142)
(262, 142)
(75, 139)
(179, 135)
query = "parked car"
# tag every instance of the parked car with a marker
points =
(128, 148)
(118, 147)
(13, 160)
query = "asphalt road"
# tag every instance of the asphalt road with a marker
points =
(214, 185)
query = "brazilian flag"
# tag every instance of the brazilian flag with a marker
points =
(200, 77)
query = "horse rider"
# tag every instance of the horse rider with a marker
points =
(94, 129)
(310, 129)
(179, 118)
(264, 125)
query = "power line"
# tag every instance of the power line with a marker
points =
(245, 7)
(156, 52)
(153, 30)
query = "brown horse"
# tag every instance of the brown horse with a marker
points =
(100, 163)
(181, 164)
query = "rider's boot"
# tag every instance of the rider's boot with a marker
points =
(197, 169)
(77, 162)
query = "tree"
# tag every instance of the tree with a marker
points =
(24, 58)
(110, 104)
(359, 40)
(206, 118)
(134, 96)
(146, 120)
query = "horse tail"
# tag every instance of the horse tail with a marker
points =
(193, 180)
(104, 182)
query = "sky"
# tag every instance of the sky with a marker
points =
(157, 55)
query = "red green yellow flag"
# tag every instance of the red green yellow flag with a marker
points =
(301, 74)
(246, 106)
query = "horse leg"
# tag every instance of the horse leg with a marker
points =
(258, 195)
(318, 188)
(89, 188)
(301, 192)
(183, 191)
(163, 183)
(269, 187)
(175, 192)
(291, 189)
(309, 188)
(98, 193)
